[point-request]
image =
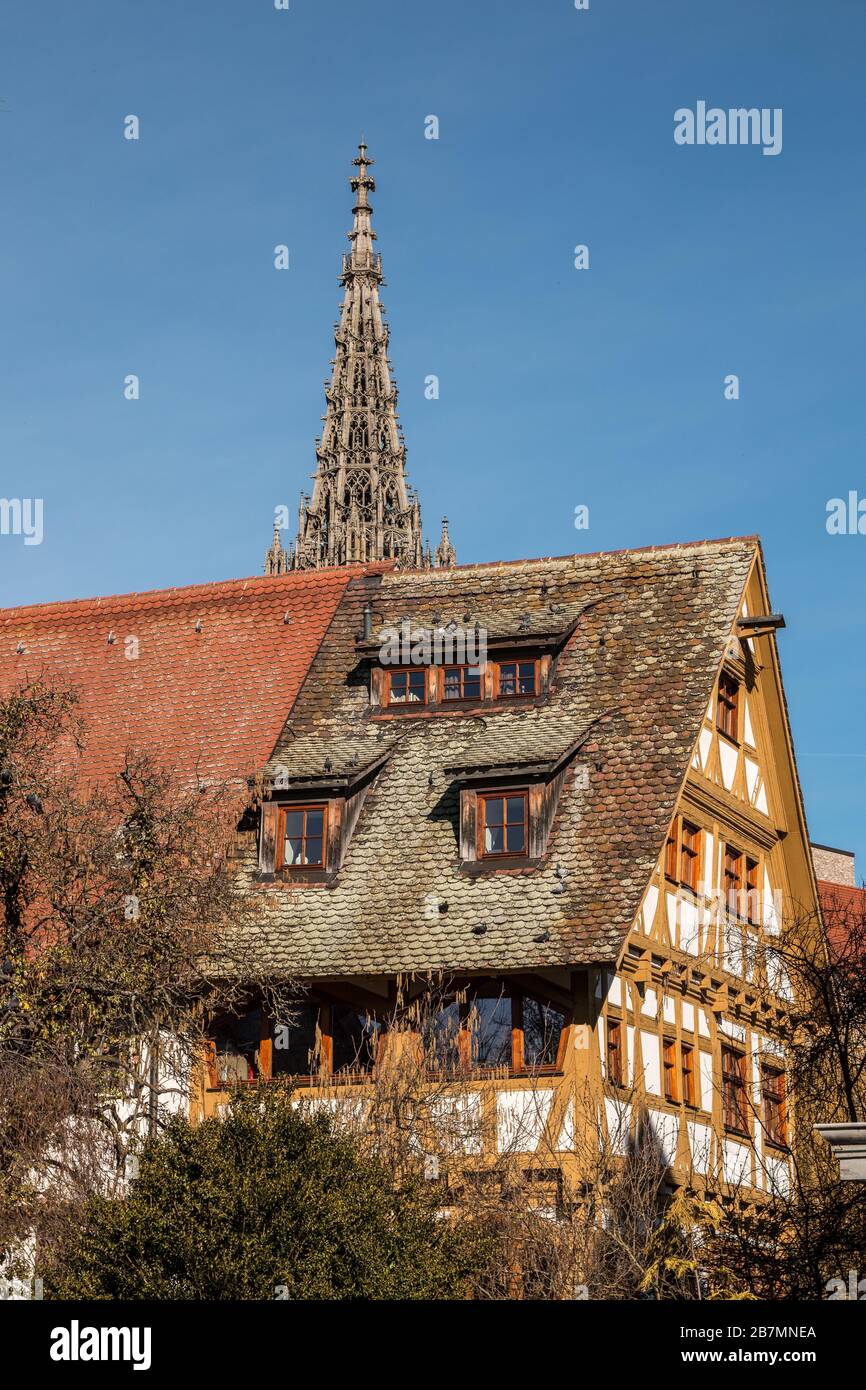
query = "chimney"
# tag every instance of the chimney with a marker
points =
(834, 865)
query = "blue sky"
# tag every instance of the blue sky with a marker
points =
(558, 387)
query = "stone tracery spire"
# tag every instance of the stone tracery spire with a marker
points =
(361, 508)
(445, 555)
(276, 559)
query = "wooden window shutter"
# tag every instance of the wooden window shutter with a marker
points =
(337, 834)
(268, 838)
(377, 686)
(468, 824)
(540, 811)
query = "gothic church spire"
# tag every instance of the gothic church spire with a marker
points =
(361, 508)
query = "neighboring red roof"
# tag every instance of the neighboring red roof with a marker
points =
(844, 910)
(212, 700)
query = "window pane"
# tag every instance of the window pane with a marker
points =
(313, 852)
(294, 1042)
(416, 686)
(236, 1047)
(441, 1035)
(354, 1039)
(452, 683)
(527, 677)
(292, 851)
(507, 678)
(491, 1032)
(493, 839)
(472, 684)
(515, 839)
(398, 687)
(542, 1029)
(493, 810)
(514, 810)
(294, 824)
(315, 822)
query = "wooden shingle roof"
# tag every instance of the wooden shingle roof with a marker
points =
(632, 683)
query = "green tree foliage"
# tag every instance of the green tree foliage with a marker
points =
(264, 1203)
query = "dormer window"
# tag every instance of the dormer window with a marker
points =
(302, 837)
(517, 678)
(727, 714)
(462, 683)
(458, 664)
(503, 823)
(507, 809)
(308, 817)
(407, 686)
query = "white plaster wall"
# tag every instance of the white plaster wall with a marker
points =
(521, 1117)
(706, 1078)
(700, 1138)
(617, 1114)
(665, 1128)
(651, 1062)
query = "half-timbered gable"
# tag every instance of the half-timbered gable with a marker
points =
(699, 1001)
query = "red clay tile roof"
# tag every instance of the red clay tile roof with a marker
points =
(211, 701)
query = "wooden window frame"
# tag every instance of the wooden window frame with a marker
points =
(516, 662)
(753, 892)
(670, 1071)
(288, 807)
(742, 902)
(734, 1097)
(613, 1052)
(517, 1064)
(464, 668)
(774, 1105)
(732, 873)
(501, 794)
(408, 671)
(324, 1012)
(262, 1059)
(728, 708)
(491, 991)
(682, 861)
(687, 1075)
(521, 1066)
(690, 855)
(672, 851)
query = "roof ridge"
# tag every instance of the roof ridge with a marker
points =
(754, 539)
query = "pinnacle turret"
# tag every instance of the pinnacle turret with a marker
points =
(446, 555)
